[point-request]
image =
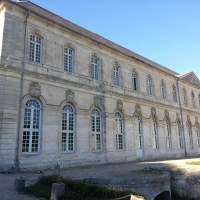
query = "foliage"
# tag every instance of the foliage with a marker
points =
(176, 196)
(193, 163)
(75, 190)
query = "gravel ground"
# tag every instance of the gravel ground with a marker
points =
(117, 170)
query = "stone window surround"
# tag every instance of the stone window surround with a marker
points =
(193, 99)
(168, 133)
(71, 47)
(155, 133)
(174, 93)
(95, 133)
(163, 89)
(120, 134)
(150, 86)
(135, 84)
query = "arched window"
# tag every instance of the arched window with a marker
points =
(184, 97)
(163, 90)
(68, 126)
(96, 130)
(35, 53)
(68, 59)
(179, 135)
(94, 68)
(193, 100)
(32, 127)
(134, 81)
(119, 131)
(190, 138)
(149, 86)
(138, 132)
(168, 136)
(174, 93)
(154, 134)
(199, 99)
(116, 75)
(198, 134)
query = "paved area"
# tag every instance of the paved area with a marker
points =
(120, 170)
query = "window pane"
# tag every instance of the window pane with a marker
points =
(25, 141)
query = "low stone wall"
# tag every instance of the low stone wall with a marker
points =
(150, 186)
(186, 182)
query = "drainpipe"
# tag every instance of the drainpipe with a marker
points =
(181, 112)
(21, 97)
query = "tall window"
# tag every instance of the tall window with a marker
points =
(179, 135)
(139, 132)
(119, 131)
(163, 90)
(174, 93)
(35, 49)
(134, 81)
(193, 100)
(68, 59)
(94, 68)
(198, 134)
(68, 132)
(190, 134)
(155, 135)
(32, 127)
(184, 97)
(168, 137)
(96, 130)
(116, 75)
(149, 86)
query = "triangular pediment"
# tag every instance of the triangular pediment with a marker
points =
(190, 78)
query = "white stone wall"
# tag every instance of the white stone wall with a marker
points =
(55, 82)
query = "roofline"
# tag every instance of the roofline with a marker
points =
(131, 56)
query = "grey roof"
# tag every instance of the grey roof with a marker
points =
(88, 34)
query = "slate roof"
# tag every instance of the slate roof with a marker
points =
(88, 34)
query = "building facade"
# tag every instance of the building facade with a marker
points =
(71, 97)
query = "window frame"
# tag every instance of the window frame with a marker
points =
(154, 134)
(149, 86)
(163, 90)
(116, 75)
(31, 110)
(184, 97)
(180, 142)
(33, 51)
(197, 130)
(193, 100)
(94, 69)
(66, 144)
(68, 68)
(96, 133)
(190, 136)
(134, 81)
(139, 135)
(119, 135)
(174, 93)
(168, 136)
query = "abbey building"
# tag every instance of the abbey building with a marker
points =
(70, 96)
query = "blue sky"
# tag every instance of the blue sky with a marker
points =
(164, 31)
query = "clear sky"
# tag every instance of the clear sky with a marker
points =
(164, 31)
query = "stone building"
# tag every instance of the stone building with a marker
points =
(70, 96)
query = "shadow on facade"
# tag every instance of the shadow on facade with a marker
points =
(163, 196)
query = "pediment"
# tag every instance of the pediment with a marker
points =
(190, 78)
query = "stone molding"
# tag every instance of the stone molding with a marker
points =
(190, 78)
(69, 96)
(99, 102)
(166, 114)
(119, 105)
(102, 86)
(35, 89)
(153, 112)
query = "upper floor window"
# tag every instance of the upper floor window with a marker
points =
(149, 86)
(138, 132)
(32, 127)
(119, 131)
(163, 90)
(155, 135)
(68, 129)
(184, 97)
(68, 59)
(96, 130)
(116, 75)
(134, 81)
(94, 68)
(35, 49)
(168, 137)
(174, 93)
(193, 100)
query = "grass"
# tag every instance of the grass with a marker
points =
(75, 190)
(149, 172)
(193, 163)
